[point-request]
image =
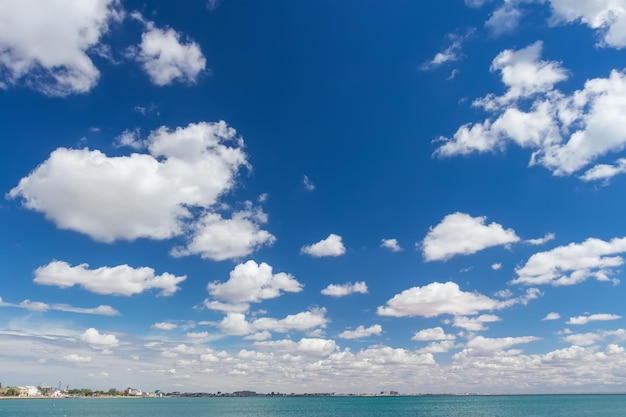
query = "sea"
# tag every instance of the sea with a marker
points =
(336, 406)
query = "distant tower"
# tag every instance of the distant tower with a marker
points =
(60, 382)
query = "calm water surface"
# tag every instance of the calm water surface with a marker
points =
(435, 406)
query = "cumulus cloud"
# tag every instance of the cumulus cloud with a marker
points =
(444, 298)
(76, 358)
(341, 290)
(435, 333)
(541, 240)
(361, 332)
(483, 346)
(216, 238)
(551, 316)
(496, 266)
(566, 133)
(44, 44)
(252, 283)
(163, 325)
(331, 246)
(593, 317)
(591, 338)
(236, 323)
(462, 234)
(99, 340)
(607, 18)
(573, 264)
(504, 19)
(173, 190)
(391, 244)
(167, 58)
(306, 346)
(475, 324)
(116, 280)
(604, 172)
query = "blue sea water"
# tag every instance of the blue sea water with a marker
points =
(427, 406)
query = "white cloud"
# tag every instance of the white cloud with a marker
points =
(496, 266)
(565, 132)
(504, 19)
(593, 317)
(27, 304)
(331, 246)
(172, 190)
(542, 240)
(252, 283)
(236, 323)
(96, 339)
(308, 184)
(163, 325)
(573, 264)
(341, 290)
(524, 74)
(44, 43)
(588, 339)
(76, 358)
(483, 346)
(606, 17)
(462, 234)
(166, 58)
(604, 171)
(450, 54)
(391, 244)
(216, 238)
(117, 280)
(306, 346)
(435, 333)
(475, 324)
(551, 316)
(361, 332)
(443, 298)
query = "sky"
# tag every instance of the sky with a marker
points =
(331, 196)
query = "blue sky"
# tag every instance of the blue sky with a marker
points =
(351, 196)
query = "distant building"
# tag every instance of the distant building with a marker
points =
(134, 392)
(244, 394)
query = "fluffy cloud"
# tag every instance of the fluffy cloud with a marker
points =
(551, 316)
(391, 244)
(361, 332)
(607, 18)
(216, 238)
(588, 339)
(593, 317)
(237, 325)
(462, 234)
(99, 340)
(44, 43)
(475, 324)
(438, 298)
(308, 184)
(117, 280)
(604, 171)
(166, 58)
(169, 191)
(252, 283)
(306, 346)
(435, 333)
(565, 132)
(76, 358)
(164, 326)
(573, 264)
(541, 240)
(331, 246)
(483, 346)
(341, 290)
